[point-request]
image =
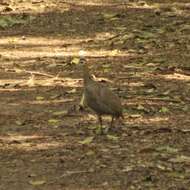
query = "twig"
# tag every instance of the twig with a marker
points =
(160, 99)
(69, 173)
(38, 73)
(79, 4)
(115, 36)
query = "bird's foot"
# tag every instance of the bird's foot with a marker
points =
(115, 129)
(101, 130)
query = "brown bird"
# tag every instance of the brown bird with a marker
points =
(100, 98)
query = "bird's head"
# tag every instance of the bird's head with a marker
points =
(86, 74)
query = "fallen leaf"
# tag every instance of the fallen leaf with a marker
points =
(164, 110)
(19, 122)
(86, 141)
(39, 98)
(176, 174)
(112, 137)
(185, 108)
(180, 159)
(72, 91)
(135, 116)
(127, 169)
(75, 61)
(114, 52)
(167, 149)
(57, 113)
(140, 107)
(53, 121)
(31, 81)
(90, 153)
(37, 182)
(147, 35)
(109, 15)
(52, 65)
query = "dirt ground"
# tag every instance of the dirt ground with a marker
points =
(140, 49)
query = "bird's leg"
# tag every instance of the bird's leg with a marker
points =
(100, 121)
(112, 120)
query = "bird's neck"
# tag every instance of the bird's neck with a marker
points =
(86, 75)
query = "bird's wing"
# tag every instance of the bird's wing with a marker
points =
(102, 99)
(92, 93)
(109, 98)
(94, 100)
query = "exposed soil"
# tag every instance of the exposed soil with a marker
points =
(138, 48)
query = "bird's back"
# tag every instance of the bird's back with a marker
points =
(101, 99)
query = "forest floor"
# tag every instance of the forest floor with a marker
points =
(140, 49)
